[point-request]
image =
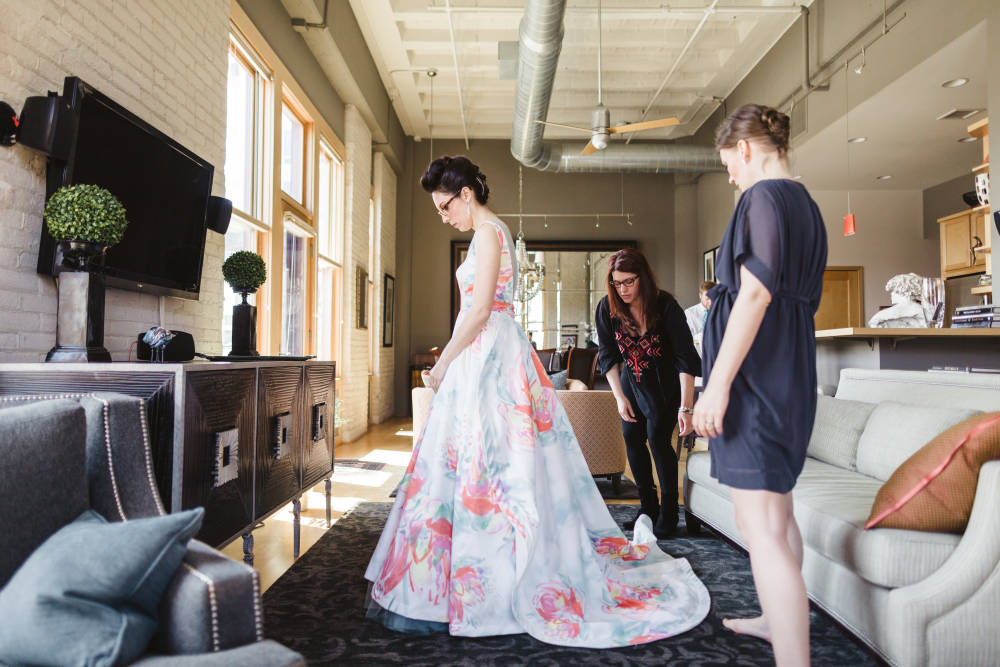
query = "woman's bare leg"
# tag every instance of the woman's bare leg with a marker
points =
(768, 526)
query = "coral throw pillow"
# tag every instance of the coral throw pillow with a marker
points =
(934, 489)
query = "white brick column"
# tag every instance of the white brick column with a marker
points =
(166, 62)
(353, 388)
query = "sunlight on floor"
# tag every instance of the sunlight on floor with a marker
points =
(404, 433)
(360, 477)
(388, 456)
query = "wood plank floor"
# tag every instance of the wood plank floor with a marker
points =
(389, 444)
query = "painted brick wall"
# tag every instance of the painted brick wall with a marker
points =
(163, 61)
(384, 180)
(353, 389)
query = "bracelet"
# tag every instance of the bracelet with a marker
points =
(687, 411)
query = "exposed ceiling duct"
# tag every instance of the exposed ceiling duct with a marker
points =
(540, 41)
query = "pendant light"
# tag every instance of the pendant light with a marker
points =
(849, 228)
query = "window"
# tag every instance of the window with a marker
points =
(294, 330)
(293, 153)
(330, 235)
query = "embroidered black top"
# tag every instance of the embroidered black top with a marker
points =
(651, 363)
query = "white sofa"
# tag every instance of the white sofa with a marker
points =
(916, 598)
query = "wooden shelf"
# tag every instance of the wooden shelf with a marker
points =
(982, 289)
(982, 209)
(981, 169)
(980, 128)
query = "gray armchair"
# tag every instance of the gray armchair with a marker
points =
(211, 612)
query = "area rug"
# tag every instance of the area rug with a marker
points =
(356, 463)
(317, 608)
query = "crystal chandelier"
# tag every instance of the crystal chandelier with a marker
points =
(530, 275)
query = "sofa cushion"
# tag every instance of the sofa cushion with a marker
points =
(837, 430)
(831, 506)
(896, 430)
(90, 593)
(935, 488)
(43, 475)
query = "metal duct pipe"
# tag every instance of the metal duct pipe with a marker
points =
(539, 44)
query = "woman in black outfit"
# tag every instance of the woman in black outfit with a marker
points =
(648, 356)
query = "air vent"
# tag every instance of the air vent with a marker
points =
(797, 122)
(959, 114)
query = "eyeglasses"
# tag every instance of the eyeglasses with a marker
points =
(443, 211)
(628, 282)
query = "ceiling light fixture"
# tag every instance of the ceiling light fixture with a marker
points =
(883, 177)
(955, 83)
(857, 140)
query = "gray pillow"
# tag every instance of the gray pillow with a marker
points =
(558, 380)
(89, 594)
(837, 430)
(896, 431)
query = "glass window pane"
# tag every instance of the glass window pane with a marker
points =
(324, 208)
(293, 297)
(324, 311)
(239, 134)
(239, 236)
(292, 146)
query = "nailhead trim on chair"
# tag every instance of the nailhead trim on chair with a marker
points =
(211, 603)
(258, 615)
(149, 458)
(107, 435)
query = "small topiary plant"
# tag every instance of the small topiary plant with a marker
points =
(85, 213)
(244, 271)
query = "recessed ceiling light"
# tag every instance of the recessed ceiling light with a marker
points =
(883, 177)
(955, 83)
(857, 140)
(967, 140)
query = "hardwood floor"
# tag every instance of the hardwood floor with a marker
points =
(386, 446)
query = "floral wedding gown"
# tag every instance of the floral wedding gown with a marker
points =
(498, 527)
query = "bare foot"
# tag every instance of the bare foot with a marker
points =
(755, 627)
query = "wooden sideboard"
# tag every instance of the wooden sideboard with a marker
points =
(241, 439)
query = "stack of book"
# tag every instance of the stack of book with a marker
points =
(966, 317)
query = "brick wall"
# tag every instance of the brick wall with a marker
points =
(385, 256)
(164, 62)
(353, 389)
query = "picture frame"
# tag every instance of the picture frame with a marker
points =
(708, 263)
(388, 309)
(361, 298)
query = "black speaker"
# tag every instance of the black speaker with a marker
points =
(220, 210)
(39, 118)
(180, 347)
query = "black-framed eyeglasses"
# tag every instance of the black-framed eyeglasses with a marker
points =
(443, 211)
(628, 282)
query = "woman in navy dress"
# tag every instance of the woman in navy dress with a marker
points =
(648, 356)
(759, 401)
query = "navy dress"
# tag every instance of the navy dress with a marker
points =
(777, 233)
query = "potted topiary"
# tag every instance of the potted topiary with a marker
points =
(85, 220)
(245, 272)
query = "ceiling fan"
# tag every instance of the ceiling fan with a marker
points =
(601, 130)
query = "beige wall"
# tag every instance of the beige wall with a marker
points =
(649, 197)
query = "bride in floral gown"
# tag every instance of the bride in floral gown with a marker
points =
(498, 527)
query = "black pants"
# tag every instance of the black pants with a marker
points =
(655, 430)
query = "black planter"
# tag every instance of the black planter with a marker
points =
(80, 316)
(244, 329)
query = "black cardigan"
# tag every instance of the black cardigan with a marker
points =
(651, 363)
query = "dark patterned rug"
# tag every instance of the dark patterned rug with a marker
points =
(316, 608)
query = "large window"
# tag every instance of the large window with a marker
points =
(294, 293)
(293, 154)
(330, 233)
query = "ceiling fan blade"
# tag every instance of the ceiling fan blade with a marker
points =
(589, 148)
(567, 127)
(647, 125)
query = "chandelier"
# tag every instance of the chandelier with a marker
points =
(530, 275)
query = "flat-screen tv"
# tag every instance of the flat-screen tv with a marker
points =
(164, 187)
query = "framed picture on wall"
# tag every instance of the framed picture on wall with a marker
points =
(708, 262)
(361, 297)
(387, 310)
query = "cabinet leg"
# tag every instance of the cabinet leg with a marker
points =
(296, 525)
(248, 548)
(328, 485)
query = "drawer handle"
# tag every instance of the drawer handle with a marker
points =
(280, 441)
(226, 467)
(319, 422)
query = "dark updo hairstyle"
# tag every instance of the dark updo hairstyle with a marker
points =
(451, 174)
(753, 121)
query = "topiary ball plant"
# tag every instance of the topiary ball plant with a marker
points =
(85, 213)
(244, 271)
